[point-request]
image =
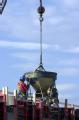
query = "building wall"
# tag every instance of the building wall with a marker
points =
(10, 116)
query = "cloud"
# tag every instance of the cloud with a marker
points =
(71, 3)
(65, 71)
(22, 45)
(51, 10)
(29, 45)
(56, 20)
(16, 23)
(35, 46)
(73, 50)
(28, 56)
(69, 62)
(64, 49)
(67, 91)
(52, 16)
(70, 49)
(72, 71)
(56, 47)
(18, 26)
(25, 66)
(66, 86)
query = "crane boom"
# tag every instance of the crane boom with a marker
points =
(2, 5)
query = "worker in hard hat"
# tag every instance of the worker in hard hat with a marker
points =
(53, 95)
(22, 88)
(49, 91)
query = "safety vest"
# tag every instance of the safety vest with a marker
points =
(22, 87)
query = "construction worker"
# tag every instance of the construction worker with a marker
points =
(49, 91)
(22, 88)
(53, 94)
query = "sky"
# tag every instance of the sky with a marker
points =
(19, 43)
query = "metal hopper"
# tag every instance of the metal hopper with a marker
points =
(41, 80)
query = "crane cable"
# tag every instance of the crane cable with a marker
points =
(41, 20)
(40, 2)
(41, 10)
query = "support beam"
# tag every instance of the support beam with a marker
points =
(2, 5)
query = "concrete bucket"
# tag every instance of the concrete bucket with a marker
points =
(41, 80)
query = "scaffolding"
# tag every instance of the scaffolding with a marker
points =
(33, 110)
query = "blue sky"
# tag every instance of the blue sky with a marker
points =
(19, 43)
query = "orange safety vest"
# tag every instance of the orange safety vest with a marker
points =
(22, 86)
